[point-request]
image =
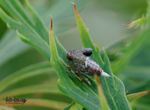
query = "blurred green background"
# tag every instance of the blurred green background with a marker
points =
(107, 21)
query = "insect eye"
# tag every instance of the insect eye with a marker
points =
(87, 51)
(69, 57)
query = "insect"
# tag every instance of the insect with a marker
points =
(81, 63)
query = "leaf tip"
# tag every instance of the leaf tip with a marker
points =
(51, 23)
(75, 9)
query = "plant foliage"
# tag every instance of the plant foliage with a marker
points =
(31, 29)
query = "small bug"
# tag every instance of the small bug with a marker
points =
(81, 63)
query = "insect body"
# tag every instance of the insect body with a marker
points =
(81, 63)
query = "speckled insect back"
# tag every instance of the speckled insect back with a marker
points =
(80, 63)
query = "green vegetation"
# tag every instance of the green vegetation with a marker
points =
(46, 82)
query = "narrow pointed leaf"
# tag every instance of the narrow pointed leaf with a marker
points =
(42, 68)
(28, 25)
(85, 96)
(113, 88)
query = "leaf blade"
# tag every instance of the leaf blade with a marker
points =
(108, 84)
(66, 85)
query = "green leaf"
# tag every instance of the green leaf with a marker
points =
(113, 88)
(27, 31)
(52, 93)
(138, 73)
(29, 27)
(134, 74)
(85, 95)
(47, 87)
(84, 34)
(23, 74)
(30, 90)
(133, 45)
(130, 49)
